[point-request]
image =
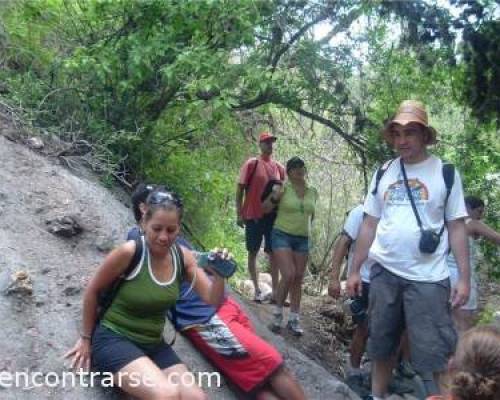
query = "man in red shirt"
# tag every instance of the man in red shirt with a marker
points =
(255, 173)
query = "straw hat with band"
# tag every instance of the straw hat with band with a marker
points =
(410, 111)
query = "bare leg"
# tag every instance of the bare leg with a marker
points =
(275, 275)
(266, 394)
(300, 262)
(284, 261)
(404, 347)
(463, 319)
(358, 344)
(144, 380)
(179, 375)
(252, 269)
(285, 386)
(381, 376)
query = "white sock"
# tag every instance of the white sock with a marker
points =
(377, 398)
(354, 371)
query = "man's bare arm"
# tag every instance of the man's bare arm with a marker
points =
(457, 235)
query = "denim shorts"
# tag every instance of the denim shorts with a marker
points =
(283, 240)
(112, 351)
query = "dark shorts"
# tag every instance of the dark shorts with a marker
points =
(422, 308)
(255, 231)
(112, 351)
(359, 307)
(283, 240)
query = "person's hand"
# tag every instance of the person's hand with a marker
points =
(460, 293)
(221, 263)
(277, 191)
(354, 286)
(334, 289)
(80, 354)
(240, 222)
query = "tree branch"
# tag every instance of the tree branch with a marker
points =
(295, 37)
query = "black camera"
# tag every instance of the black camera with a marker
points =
(429, 241)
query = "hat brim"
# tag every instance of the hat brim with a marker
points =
(401, 120)
(269, 139)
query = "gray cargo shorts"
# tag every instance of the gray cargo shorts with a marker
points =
(422, 308)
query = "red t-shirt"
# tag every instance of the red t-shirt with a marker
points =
(265, 170)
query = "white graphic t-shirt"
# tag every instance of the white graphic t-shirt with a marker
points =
(352, 226)
(396, 241)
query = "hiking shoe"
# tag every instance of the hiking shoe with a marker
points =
(405, 370)
(356, 383)
(258, 298)
(275, 325)
(400, 386)
(285, 304)
(293, 326)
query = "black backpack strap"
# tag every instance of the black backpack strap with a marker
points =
(380, 173)
(180, 259)
(449, 179)
(136, 258)
(252, 173)
(106, 297)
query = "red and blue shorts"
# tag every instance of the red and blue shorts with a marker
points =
(231, 344)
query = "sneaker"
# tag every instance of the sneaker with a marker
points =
(357, 384)
(400, 386)
(275, 325)
(258, 298)
(294, 327)
(405, 370)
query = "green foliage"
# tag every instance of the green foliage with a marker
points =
(482, 56)
(487, 316)
(176, 91)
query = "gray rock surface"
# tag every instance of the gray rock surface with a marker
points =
(37, 329)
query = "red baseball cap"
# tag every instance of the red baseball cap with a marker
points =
(265, 136)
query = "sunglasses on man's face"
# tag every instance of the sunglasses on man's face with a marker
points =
(164, 197)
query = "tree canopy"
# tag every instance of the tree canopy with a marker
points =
(177, 91)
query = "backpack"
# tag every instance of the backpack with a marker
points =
(107, 296)
(448, 172)
(270, 217)
(251, 174)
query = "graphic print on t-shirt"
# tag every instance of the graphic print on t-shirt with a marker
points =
(396, 193)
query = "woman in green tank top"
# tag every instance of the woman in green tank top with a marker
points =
(127, 344)
(296, 203)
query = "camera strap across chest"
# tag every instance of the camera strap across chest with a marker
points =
(413, 206)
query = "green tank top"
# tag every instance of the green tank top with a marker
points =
(139, 308)
(294, 213)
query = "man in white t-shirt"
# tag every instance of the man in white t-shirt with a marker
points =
(344, 245)
(410, 288)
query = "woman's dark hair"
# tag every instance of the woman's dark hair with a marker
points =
(294, 162)
(476, 365)
(140, 194)
(163, 199)
(473, 202)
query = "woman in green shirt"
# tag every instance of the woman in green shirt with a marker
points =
(295, 202)
(126, 345)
